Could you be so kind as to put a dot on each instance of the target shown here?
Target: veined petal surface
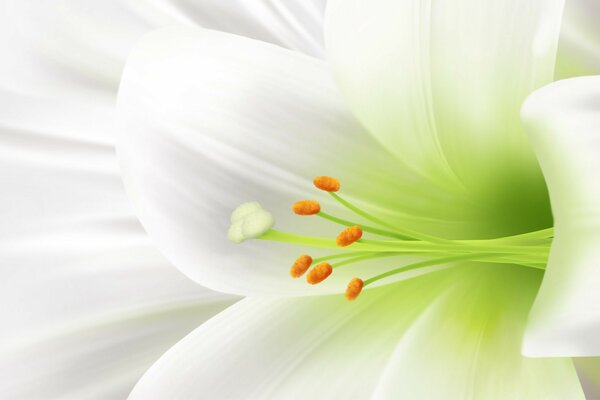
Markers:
(563, 120)
(440, 85)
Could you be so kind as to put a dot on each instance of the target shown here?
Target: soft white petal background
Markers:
(87, 302)
(66, 44)
(73, 258)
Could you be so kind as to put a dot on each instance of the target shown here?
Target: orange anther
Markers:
(349, 236)
(300, 266)
(319, 273)
(306, 207)
(354, 288)
(327, 183)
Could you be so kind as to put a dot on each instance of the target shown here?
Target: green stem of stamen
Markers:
(364, 247)
(402, 231)
(365, 258)
(459, 247)
(541, 234)
(340, 255)
(426, 263)
(366, 228)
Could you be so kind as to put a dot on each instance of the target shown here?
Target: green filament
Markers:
(402, 231)
(426, 263)
(529, 250)
(366, 228)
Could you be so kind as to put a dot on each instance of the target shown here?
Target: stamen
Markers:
(354, 288)
(402, 231)
(319, 273)
(349, 236)
(345, 254)
(366, 228)
(251, 221)
(428, 263)
(300, 266)
(306, 207)
(327, 183)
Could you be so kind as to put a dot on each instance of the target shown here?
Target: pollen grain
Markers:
(319, 273)
(300, 266)
(354, 288)
(306, 207)
(327, 183)
(349, 236)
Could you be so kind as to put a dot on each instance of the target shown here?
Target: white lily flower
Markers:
(88, 304)
(422, 124)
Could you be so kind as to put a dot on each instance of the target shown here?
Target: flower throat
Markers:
(251, 221)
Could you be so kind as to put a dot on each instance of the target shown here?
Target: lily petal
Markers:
(82, 45)
(324, 347)
(86, 301)
(440, 85)
(61, 344)
(311, 347)
(579, 46)
(563, 120)
(468, 343)
(211, 121)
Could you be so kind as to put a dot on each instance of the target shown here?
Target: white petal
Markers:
(325, 347)
(563, 120)
(440, 85)
(211, 121)
(81, 45)
(86, 302)
(579, 46)
(99, 356)
(288, 348)
(467, 345)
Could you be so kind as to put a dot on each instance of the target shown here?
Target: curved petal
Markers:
(210, 121)
(86, 302)
(468, 343)
(324, 347)
(579, 45)
(440, 84)
(80, 46)
(310, 347)
(563, 120)
(97, 347)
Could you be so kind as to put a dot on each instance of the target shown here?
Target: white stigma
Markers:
(249, 221)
